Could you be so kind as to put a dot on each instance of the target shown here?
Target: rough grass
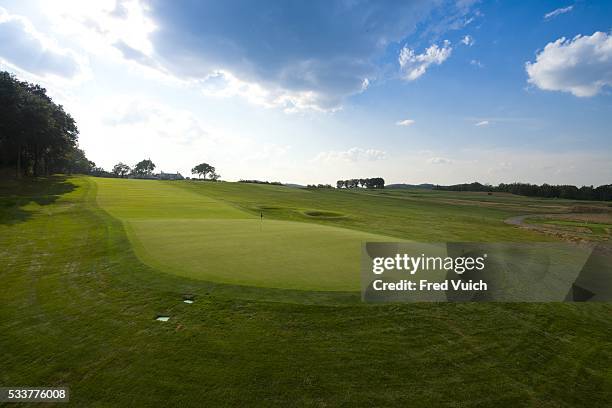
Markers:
(78, 308)
(596, 228)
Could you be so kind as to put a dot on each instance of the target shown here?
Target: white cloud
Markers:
(558, 12)
(415, 65)
(582, 65)
(405, 122)
(273, 46)
(467, 40)
(98, 26)
(354, 154)
(482, 123)
(224, 84)
(439, 160)
(26, 49)
(271, 52)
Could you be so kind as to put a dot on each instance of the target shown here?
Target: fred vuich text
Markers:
(428, 286)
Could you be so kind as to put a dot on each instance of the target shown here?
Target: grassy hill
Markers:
(79, 299)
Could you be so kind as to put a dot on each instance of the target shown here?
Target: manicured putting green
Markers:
(281, 254)
(192, 235)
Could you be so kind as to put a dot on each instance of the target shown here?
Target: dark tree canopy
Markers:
(275, 183)
(376, 182)
(601, 193)
(36, 135)
(143, 168)
(205, 169)
(121, 169)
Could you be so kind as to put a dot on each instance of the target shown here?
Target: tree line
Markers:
(274, 183)
(601, 193)
(145, 168)
(37, 136)
(376, 182)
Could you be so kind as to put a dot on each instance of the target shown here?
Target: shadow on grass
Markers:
(16, 194)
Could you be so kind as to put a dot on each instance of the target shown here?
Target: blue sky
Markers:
(309, 92)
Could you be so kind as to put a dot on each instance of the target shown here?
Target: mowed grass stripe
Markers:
(188, 234)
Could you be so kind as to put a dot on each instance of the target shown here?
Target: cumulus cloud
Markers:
(296, 55)
(27, 49)
(415, 65)
(225, 84)
(405, 122)
(354, 154)
(101, 25)
(274, 47)
(558, 12)
(439, 160)
(582, 65)
(482, 123)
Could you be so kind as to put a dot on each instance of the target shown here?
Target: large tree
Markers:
(205, 169)
(144, 168)
(36, 135)
(121, 169)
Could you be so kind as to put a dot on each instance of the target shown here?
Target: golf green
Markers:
(177, 231)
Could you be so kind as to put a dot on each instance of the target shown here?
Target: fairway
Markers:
(192, 235)
(149, 199)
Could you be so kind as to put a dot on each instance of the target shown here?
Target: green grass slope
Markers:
(416, 216)
(130, 199)
(193, 235)
(77, 309)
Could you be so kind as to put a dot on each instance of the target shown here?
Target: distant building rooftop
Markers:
(170, 176)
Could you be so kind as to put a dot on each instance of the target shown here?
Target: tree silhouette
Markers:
(144, 168)
(205, 169)
(120, 169)
(36, 135)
